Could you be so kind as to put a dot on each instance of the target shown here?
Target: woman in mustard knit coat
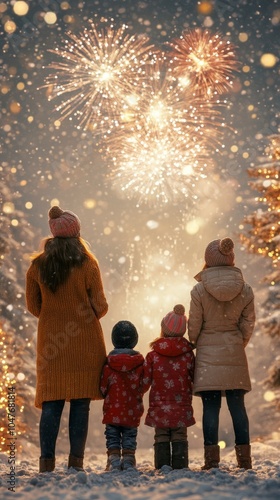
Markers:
(64, 291)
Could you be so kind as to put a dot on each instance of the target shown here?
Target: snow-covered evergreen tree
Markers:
(263, 238)
(18, 328)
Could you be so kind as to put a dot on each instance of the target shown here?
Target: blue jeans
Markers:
(211, 409)
(78, 426)
(120, 437)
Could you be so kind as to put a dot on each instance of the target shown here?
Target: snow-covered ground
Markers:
(144, 483)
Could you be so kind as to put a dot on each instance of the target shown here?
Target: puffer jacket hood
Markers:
(221, 322)
(171, 346)
(124, 362)
(224, 283)
(121, 386)
(168, 373)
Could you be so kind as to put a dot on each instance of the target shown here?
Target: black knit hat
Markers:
(124, 335)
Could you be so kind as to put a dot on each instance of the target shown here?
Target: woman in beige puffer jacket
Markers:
(221, 322)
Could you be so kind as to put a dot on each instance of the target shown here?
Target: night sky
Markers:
(148, 252)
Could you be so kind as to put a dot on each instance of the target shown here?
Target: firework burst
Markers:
(155, 168)
(164, 107)
(157, 127)
(100, 75)
(161, 154)
(203, 61)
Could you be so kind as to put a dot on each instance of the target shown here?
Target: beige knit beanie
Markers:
(220, 253)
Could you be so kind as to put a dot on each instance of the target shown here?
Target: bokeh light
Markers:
(10, 27)
(50, 18)
(268, 60)
(20, 8)
(205, 7)
(222, 444)
(155, 165)
(8, 208)
(269, 396)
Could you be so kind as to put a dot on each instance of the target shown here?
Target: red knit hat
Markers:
(64, 224)
(220, 253)
(174, 324)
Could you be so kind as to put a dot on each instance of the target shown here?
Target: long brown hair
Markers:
(59, 256)
(153, 342)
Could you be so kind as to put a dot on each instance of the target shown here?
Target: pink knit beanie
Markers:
(64, 224)
(220, 253)
(174, 324)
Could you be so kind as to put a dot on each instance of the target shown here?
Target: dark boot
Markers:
(46, 464)
(243, 455)
(114, 459)
(75, 462)
(180, 458)
(211, 456)
(162, 454)
(128, 459)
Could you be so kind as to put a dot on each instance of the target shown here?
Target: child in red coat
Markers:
(169, 371)
(121, 386)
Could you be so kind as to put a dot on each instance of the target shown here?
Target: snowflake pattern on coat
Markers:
(168, 373)
(121, 386)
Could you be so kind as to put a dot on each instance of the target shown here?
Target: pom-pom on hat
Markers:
(124, 335)
(63, 223)
(220, 253)
(174, 324)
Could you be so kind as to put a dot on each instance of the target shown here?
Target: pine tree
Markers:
(11, 403)
(264, 239)
(17, 328)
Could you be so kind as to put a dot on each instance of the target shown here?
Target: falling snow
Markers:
(149, 248)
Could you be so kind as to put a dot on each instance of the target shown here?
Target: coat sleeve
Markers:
(33, 293)
(192, 365)
(195, 320)
(247, 318)
(95, 290)
(147, 374)
(104, 382)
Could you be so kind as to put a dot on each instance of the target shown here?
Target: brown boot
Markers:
(114, 459)
(243, 455)
(46, 464)
(128, 459)
(211, 456)
(162, 454)
(75, 462)
(180, 455)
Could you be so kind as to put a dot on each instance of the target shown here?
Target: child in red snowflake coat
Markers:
(169, 371)
(121, 386)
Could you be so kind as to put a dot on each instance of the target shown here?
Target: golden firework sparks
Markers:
(203, 60)
(155, 168)
(156, 130)
(164, 106)
(161, 153)
(100, 73)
